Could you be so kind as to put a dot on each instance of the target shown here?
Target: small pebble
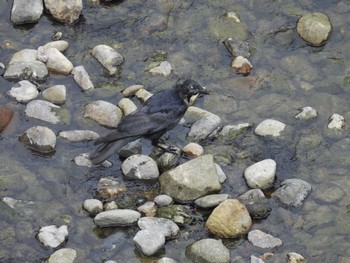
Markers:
(93, 206)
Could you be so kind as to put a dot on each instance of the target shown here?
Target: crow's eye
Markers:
(191, 87)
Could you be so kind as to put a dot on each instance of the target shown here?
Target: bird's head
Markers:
(189, 87)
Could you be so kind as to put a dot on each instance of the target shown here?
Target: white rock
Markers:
(117, 217)
(51, 236)
(78, 135)
(35, 70)
(140, 167)
(263, 240)
(57, 62)
(25, 92)
(306, 113)
(82, 78)
(63, 255)
(241, 65)
(149, 242)
(42, 110)
(108, 57)
(270, 127)
(93, 206)
(24, 12)
(24, 55)
(40, 138)
(261, 175)
(161, 225)
(127, 106)
(163, 69)
(337, 122)
(166, 260)
(104, 113)
(60, 45)
(221, 174)
(56, 94)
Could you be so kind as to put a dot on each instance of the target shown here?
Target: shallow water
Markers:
(287, 75)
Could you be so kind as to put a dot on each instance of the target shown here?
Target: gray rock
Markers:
(42, 110)
(191, 180)
(314, 28)
(84, 160)
(254, 259)
(127, 106)
(51, 236)
(57, 62)
(66, 255)
(237, 47)
(148, 209)
(263, 240)
(230, 132)
(104, 113)
(270, 127)
(251, 194)
(39, 138)
(306, 113)
(66, 11)
(140, 167)
(261, 175)
(60, 45)
(166, 260)
(35, 70)
(24, 12)
(292, 192)
(56, 94)
(82, 78)
(336, 122)
(24, 55)
(221, 174)
(108, 57)
(208, 251)
(163, 69)
(41, 54)
(93, 206)
(25, 92)
(149, 242)
(111, 205)
(163, 200)
(117, 217)
(161, 225)
(210, 201)
(258, 208)
(78, 135)
(202, 128)
(132, 148)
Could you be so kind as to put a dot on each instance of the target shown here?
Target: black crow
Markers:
(159, 114)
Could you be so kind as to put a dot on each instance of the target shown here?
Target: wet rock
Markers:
(166, 260)
(210, 201)
(82, 78)
(60, 45)
(6, 115)
(109, 188)
(261, 174)
(161, 225)
(42, 110)
(221, 175)
(117, 217)
(25, 92)
(66, 11)
(314, 28)
(193, 149)
(57, 62)
(229, 220)
(127, 106)
(148, 209)
(108, 57)
(292, 192)
(132, 90)
(84, 160)
(143, 95)
(191, 180)
(163, 200)
(149, 242)
(263, 240)
(66, 255)
(180, 214)
(132, 148)
(24, 55)
(208, 251)
(51, 236)
(93, 206)
(156, 22)
(224, 26)
(34, 70)
(270, 127)
(104, 113)
(237, 47)
(140, 167)
(336, 122)
(242, 65)
(306, 113)
(26, 12)
(56, 94)
(329, 192)
(258, 208)
(230, 132)
(39, 138)
(293, 257)
(163, 69)
(78, 135)
(202, 128)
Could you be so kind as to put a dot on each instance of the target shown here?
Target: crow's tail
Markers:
(107, 149)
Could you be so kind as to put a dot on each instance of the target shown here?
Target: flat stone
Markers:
(270, 127)
(221, 174)
(51, 236)
(78, 135)
(162, 225)
(104, 113)
(149, 242)
(25, 92)
(56, 94)
(117, 217)
(263, 240)
(24, 55)
(132, 90)
(108, 57)
(42, 110)
(202, 128)
(140, 167)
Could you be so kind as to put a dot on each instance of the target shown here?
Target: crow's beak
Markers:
(203, 91)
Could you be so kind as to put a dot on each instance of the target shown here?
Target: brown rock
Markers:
(6, 115)
(229, 220)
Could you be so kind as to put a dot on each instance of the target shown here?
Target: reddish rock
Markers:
(6, 115)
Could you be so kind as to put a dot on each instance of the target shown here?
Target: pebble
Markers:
(51, 236)
(63, 255)
(306, 113)
(203, 127)
(127, 106)
(6, 115)
(104, 113)
(163, 200)
(110, 206)
(108, 57)
(163, 69)
(270, 127)
(230, 132)
(241, 65)
(57, 62)
(260, 239)
(193, 149)
(221, 174)
(149, 242)
(26, 12)
(34, 70)
(336, 122)
(293, 257)
(66, 11)
(117, 217)
(140, 167)
(82, 78)
(191, 180)
(292, 192)
(237, 47)
(132, 90)
(41, 54)
(78, 135)
(261, 174)
(211, 201)
(254, 259)
(24, 55)
(93, 206)
(230, 219)
(60, 45)
(148, 209)
(42, 110)
(208, 251)
(40, 138)
(25, 92)
(56, 94)
(143, 95)
(161, 225)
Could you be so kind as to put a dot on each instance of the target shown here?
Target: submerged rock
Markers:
(39, 138)
(263, 240)
(293, 257)
(108, 57)
(24, 12)
(163, 69)
(270, 127)
(208, 251)
(306, 113)
(242, 65)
